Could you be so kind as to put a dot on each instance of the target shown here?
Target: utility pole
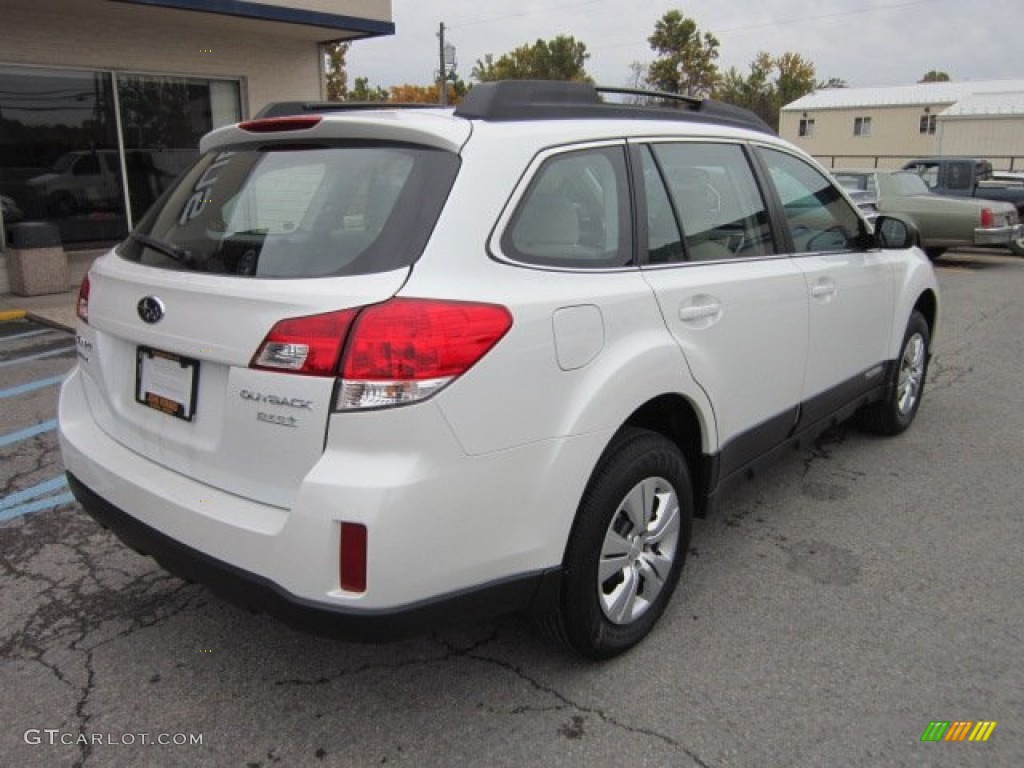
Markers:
(442, 73)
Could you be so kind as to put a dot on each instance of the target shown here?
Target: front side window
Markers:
(716, 200)
(819, 217)
(575, 213)
(298, 212)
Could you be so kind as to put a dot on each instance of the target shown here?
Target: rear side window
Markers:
(298, 212)
(818, 215)
(575, 213)
(715, 199)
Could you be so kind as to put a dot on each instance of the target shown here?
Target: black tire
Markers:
(1017, 247)
(639, 466)
(896, 411)
(934, 253)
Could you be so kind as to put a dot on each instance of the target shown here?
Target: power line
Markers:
(781, 22)
(547, 9)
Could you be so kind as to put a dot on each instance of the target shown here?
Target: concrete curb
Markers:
(52, 319)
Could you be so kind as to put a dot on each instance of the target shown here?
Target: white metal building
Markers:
(886, 126)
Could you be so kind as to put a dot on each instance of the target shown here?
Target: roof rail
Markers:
(557, 99)
(286, 108)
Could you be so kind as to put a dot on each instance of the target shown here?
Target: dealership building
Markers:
(103, 102)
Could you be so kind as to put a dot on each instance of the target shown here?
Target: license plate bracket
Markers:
(166, 382)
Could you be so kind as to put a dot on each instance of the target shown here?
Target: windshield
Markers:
(287, 211)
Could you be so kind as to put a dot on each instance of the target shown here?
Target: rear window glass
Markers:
(298, 212)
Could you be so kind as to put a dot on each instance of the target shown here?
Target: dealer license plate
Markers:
(166, 382)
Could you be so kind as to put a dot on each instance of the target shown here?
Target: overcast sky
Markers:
(864, 42)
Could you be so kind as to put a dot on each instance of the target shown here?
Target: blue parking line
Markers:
(31, 386)
(26, 335)
(37, 356)
(36, 506)
(25, 434)
(37, 490)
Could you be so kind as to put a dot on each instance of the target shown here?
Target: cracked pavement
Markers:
(834, 606)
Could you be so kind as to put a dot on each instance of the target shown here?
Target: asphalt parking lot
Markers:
(833, 608)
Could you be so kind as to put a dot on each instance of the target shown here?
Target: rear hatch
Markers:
(255, 235)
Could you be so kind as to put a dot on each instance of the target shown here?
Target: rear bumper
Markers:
(998, 235)
(450, 536)
(527, 592)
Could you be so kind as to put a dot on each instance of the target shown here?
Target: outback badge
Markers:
(151, 309)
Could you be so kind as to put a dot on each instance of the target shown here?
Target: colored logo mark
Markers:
(958, 730)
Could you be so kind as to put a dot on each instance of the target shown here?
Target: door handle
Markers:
(702, 312)
(823, 290)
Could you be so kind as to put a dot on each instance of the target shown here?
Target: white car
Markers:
(371, 371)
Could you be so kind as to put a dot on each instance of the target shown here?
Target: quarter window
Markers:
(819, 217)
(575, 213)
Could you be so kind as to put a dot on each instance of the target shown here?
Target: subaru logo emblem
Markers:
(151, 309)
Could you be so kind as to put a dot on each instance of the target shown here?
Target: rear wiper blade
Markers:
(170, 250)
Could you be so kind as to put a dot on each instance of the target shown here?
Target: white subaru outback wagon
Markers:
(374, 369)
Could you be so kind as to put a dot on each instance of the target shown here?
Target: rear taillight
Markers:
(987, 219)
(82, 308)
(398, 352)
(308, 345)
(405, 350)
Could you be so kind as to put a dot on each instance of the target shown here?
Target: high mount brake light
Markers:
(401, 351)
(276, 124)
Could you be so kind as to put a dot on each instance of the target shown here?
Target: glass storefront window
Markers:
(58, 152)
(162, 120)
(60, 159)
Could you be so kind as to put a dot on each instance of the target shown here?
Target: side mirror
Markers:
(891, 232)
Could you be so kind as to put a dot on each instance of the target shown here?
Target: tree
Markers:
(416, 94)
(637, 75)
(934, 76)
(795, 78)
(832, 82)
(773, 82)
(686, 58)
(362, 91)
(562, 58)
(336, 76)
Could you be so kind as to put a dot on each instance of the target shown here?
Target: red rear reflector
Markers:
(414, 339)
(275, 124)
(82, 308)
(987, 219)
(352, 554)
(309, 345)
